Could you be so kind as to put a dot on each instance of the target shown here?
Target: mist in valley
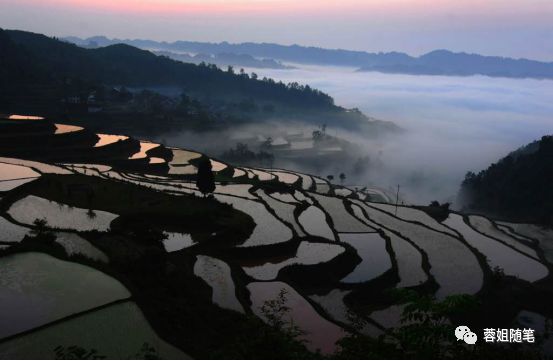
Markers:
(452, 125)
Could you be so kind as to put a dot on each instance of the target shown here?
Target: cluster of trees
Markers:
(241, 154)
(341, 176)
(518, 187)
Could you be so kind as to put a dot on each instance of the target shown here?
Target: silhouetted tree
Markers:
(41, 227)
(317, 135)
(342, 178)
(330, 177)
(205, 179)
(268, 143)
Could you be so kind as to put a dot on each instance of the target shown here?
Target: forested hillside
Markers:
(517, 187)
(125, 65)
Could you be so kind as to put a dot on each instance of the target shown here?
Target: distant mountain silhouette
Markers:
(438, 62)
(443, 62)
(518, 187)
(224, 59)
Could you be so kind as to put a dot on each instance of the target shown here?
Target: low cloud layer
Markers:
(454, 124)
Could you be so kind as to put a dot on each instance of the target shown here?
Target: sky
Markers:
(513, 28)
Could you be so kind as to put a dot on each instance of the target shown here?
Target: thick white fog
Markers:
(454, 124)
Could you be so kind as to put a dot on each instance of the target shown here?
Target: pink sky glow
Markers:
(516, 28)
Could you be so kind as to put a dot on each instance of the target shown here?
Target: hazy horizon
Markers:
(518, 29)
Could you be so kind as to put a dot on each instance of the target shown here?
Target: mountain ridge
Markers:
(436, 62)
(518, 186)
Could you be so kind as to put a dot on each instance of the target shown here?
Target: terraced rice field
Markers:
(512, 263)
(58, 215)
(156, 160)
(183, 170)
(262, 175)
(413, 215)
(542, 235)
(284, 197)
(530, 230)
(237, 190)
(175, 188)
(115, 332)
(306, 181)
(65, 128)
(176, 241)
(287, 178)
(409, 259)
(40, 167)
(217, 275)
(508, 230)
(11, 233)
(107, 139)
(371, 247)
(486, 227)
(38, 289)
(333, 304)
(6, 186)
(76, 245)
(390, 317)
(13, 171)
(454, 267)
(238, 173)
(320, 333)
(97, 167)
(268, 229)
(24, 117)
(306, 254)
(284, 211)
(144, 148)
(343, 192)
(301, 197)
(322, 188)
(319, 180)
(409, 262)
(313, 221)
(217, 166)
(342, 219)
(181, 156)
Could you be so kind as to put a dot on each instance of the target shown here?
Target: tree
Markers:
(41, 227)
(317, 135)
(268, 143)
(330, 177)
(342, 178)
(205, 179)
